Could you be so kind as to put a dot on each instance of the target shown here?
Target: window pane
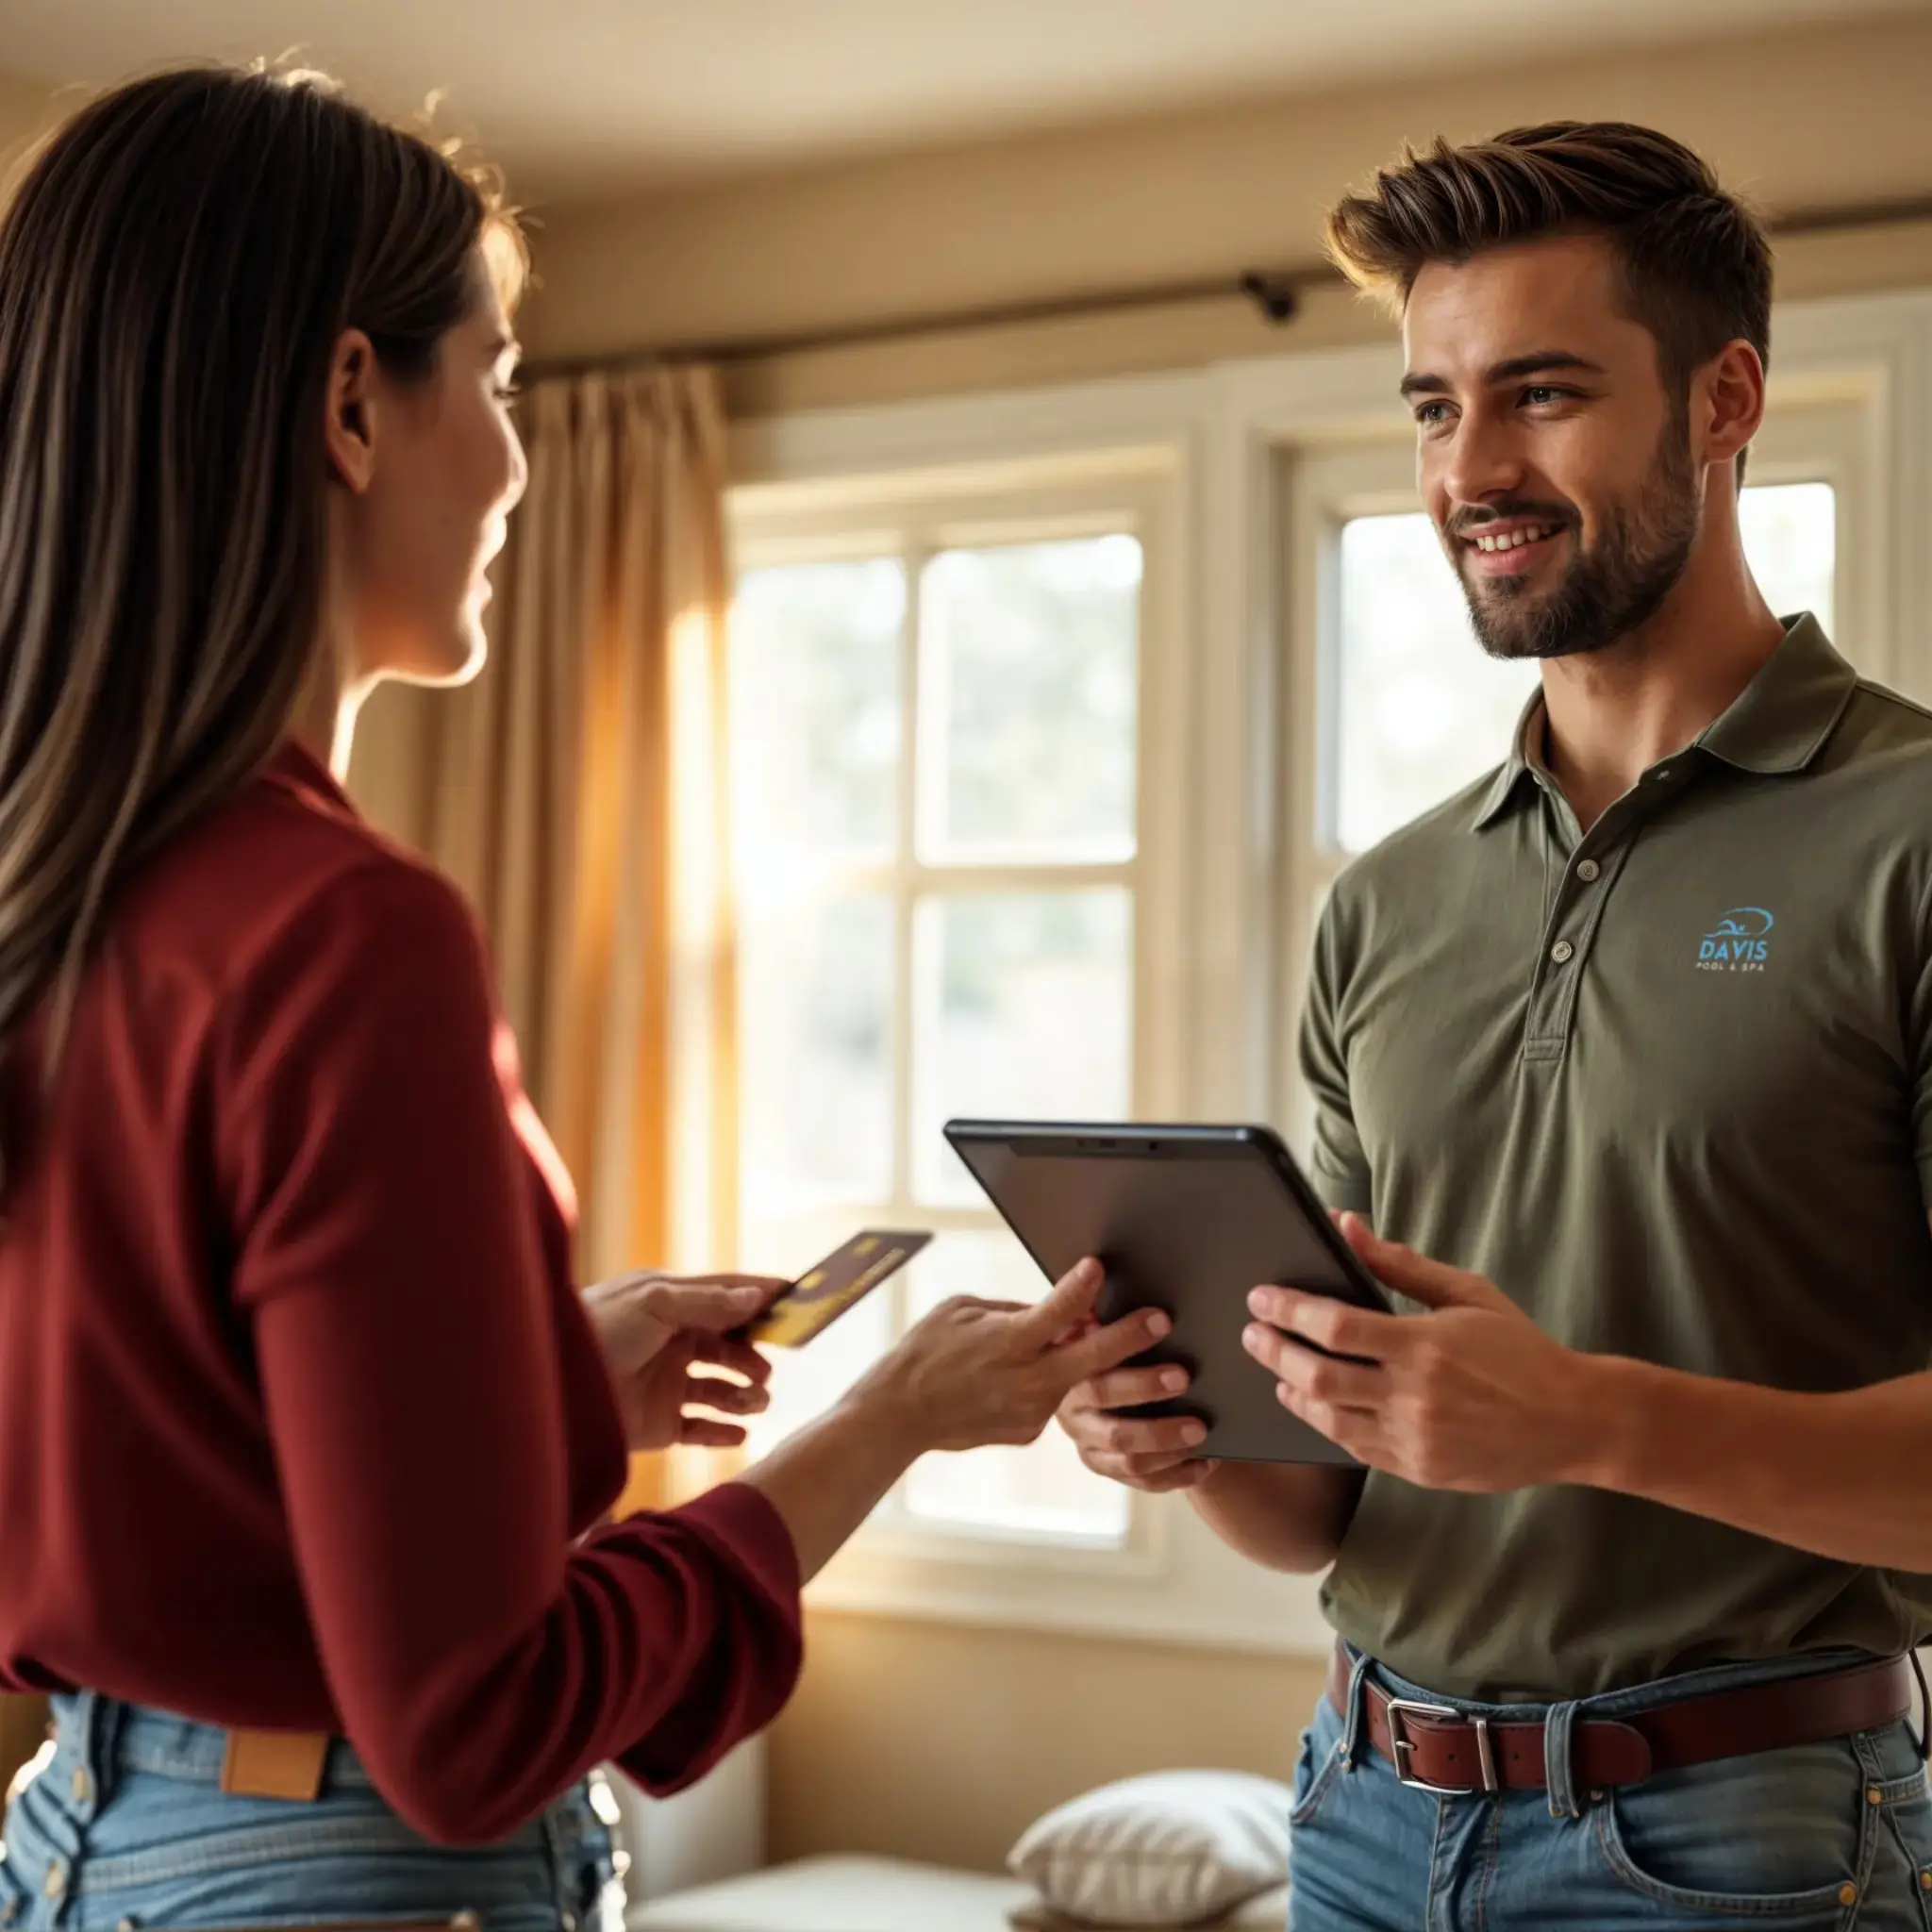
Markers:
(815, 991)
(1023, 1009)
(815, 711)
(1028, 689)
(1790, 538)
(1042, 1489)
(1423, 710)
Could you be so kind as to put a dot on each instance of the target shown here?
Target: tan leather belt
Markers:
(275, 1764)
(1437, 1749)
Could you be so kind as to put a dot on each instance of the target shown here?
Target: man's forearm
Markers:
(1843, 1475)
(1283, 1516)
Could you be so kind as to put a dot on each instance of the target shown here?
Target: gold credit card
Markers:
(820, 1295)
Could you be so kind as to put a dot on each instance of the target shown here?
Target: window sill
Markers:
(1173, 1582)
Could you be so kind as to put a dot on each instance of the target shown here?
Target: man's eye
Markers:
(1539, 393)
(1432, 413)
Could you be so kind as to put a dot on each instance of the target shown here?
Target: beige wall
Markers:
(26, 108)
(922, 1741)
(1828, 116)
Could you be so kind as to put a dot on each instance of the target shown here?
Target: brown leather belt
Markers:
(1437, 1749)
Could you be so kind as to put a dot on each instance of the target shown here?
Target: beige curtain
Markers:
(550, 799)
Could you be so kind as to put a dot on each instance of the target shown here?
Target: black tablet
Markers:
(1188, 1220)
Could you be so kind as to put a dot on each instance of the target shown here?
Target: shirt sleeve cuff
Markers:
(1350, 1192)
(741, 1523)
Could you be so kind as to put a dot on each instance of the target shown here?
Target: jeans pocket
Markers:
(1318, 1766)
(1902, 1799)
(1782, 1834)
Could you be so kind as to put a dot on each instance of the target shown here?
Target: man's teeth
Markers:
(1515, 540)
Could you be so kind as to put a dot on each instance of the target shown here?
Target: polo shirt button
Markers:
(55, 1884)
(1848, 1894)
(1590, 872)
(1563, 952)
(83, 1785)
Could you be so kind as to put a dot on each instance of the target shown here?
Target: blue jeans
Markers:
(1835, 1834)
(129, 1827)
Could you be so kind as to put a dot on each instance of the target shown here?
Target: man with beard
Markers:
(1630, 1048)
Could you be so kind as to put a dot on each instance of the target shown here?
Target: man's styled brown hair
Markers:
(1696, 263)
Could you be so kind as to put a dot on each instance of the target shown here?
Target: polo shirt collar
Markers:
(1783, 717)
(1519, 770)
(1778, 723)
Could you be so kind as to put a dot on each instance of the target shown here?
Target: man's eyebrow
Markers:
(1537, 363)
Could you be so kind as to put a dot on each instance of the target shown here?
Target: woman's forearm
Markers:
(831, 1475)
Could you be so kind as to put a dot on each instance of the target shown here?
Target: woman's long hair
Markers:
(177, 265)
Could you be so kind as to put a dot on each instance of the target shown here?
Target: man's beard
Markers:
(1610, 589)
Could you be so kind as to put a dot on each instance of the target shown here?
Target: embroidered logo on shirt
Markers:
(1740, 942)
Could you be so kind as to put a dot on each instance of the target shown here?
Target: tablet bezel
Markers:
(1290, 1440)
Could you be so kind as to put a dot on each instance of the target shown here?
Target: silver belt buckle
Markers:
(1400, 1747)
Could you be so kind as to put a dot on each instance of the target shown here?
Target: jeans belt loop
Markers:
(1923, 1741)
(1350, 1746)
(1558, 1769)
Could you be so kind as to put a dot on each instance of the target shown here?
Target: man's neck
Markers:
(1613, 715)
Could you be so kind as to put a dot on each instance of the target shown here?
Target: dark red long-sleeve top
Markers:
(302, 1422)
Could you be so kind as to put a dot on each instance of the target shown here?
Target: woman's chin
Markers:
(471, 655)
(456, 661)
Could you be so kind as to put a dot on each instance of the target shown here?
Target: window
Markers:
(939, 879)
(1423, 712)
(1056, 755)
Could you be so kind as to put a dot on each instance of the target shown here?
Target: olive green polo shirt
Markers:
(1670, 1084)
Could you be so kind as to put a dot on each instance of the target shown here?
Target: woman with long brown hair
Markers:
(307, 1438)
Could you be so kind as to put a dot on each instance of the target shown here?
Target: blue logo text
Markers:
(1740, 942)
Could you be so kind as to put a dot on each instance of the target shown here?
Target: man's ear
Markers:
(1726, 403)
(349, 411)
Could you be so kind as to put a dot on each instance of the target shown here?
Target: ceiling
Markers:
(586, 97)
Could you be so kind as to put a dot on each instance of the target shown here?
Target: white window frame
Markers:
(828, 487)
(910, 517)
(1227, 740)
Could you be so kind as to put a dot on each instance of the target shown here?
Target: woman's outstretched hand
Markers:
(981, 1372)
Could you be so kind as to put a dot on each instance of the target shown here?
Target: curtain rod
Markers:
(1276, 293)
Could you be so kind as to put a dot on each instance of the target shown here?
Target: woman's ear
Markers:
(349, 418)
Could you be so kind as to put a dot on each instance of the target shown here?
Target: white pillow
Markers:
(1162, 1850)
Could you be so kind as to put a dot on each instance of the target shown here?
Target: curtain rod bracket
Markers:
(1274, 295)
